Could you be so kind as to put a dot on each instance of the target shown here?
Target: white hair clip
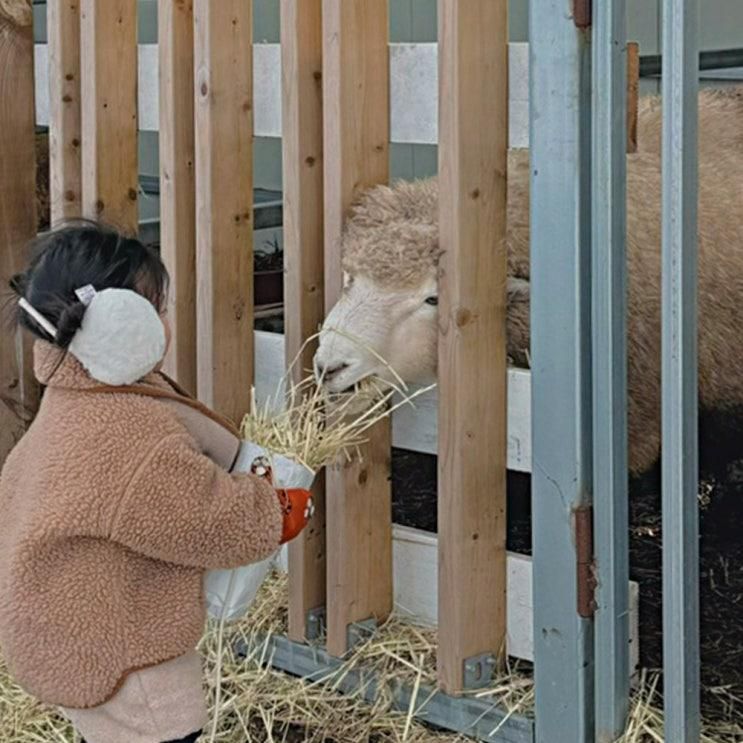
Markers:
(28, 308)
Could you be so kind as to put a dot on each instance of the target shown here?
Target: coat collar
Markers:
(56, 368)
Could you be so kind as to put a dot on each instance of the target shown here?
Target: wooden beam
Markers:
(177, 183)
(301, 46)
(18, 391)
(633, 94)
(108, 38)
(65, 116)
(473, 44)
(356, 121)
(224, 203)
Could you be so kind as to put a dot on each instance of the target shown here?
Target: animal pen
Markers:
(338, 94)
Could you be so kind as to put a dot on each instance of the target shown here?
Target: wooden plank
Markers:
(65, 117)
(415, 578)
(18, 391)
(413, 91)
(472, 334)
(356, 122)
(108, 58)
(301, 44)
(633, 94)
(224, 204)
(416, 592)
(177, 183)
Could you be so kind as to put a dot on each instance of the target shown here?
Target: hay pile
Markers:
(259, 704)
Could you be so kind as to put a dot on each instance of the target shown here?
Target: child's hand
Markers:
(298, 508)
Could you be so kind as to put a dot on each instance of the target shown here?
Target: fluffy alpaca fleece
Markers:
(392, 238)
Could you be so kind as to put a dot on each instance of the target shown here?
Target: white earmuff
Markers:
(122, 337)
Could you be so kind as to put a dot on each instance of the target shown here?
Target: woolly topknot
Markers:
(392, 234)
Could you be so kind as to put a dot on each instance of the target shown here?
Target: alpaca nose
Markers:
(325, 373)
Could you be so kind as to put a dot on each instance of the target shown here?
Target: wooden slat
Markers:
(633, 94)
(224, 203)
(18, 392)
(108, 49)
(472, 341)
(356, 95)
(413, 91)
(65, 125)
(301, 44)
(177, 189)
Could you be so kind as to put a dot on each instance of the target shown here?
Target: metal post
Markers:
(679, 372)
(609, 277)
(560, 131)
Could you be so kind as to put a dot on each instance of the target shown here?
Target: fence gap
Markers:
(302, 142)
(177, 186)
(18, 390)
(65, 124)
(108, 59)
(560, 215)
(473, 80)
(356, 156)
(679, 454)
(224, 203)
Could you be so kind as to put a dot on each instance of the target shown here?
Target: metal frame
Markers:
(609, 362)
(470, 716)
(560, 135)
(679, 373)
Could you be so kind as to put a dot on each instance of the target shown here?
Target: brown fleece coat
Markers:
(111, 513)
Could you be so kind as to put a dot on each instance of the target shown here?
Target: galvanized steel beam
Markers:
(679, 372)
(609, 278)
(560, 131)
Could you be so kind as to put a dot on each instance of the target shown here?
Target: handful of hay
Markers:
(316, 429)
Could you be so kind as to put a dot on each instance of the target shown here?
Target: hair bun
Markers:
(70, 321)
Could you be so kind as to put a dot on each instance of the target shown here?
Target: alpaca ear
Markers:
(122, 337)
(518, 290)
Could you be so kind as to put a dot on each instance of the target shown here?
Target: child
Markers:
(117, 500)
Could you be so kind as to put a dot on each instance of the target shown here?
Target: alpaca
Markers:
(390, 260)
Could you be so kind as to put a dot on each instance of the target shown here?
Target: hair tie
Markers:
(29, 309)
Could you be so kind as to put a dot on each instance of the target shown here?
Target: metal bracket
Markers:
(584, 561)
(479, 671)
(360, 632)
(315, 628)
(582, 13)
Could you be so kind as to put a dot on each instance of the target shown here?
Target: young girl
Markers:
(117, 500)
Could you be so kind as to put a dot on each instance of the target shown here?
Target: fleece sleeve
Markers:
(181, 507)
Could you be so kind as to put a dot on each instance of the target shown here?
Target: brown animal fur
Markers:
(392, 237)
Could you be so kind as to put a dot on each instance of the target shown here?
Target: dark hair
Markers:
(75, 255)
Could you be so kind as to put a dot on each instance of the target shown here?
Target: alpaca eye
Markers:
(433, 301)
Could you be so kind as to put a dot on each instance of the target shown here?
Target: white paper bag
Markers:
(230, 593)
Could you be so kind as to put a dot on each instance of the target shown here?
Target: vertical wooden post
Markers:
(301, 46)
(633, 94)
(108, 38)
(224, 203)
(473, 79)
(18, 392)
(65, 126)
(177, 189)
(356, 121)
